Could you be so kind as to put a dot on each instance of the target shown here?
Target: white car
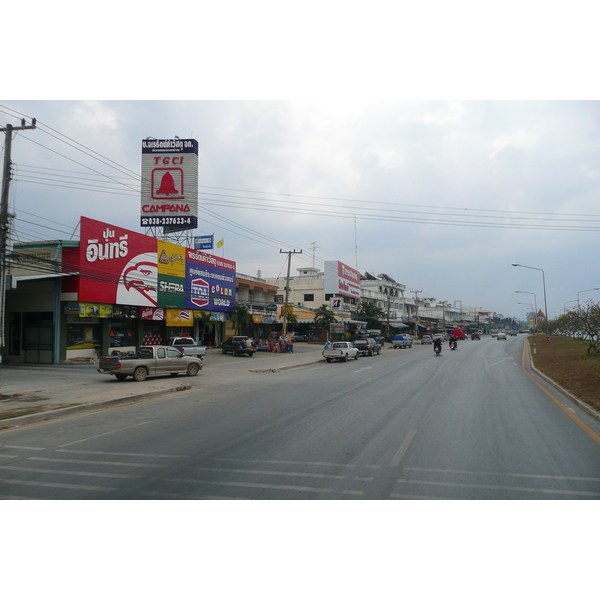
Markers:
(501, 336)
(426, 339)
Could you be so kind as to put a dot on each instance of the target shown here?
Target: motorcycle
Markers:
(437, 347)
(452, 344)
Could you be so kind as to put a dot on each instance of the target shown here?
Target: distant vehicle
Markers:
(299, 337)
(341, 351)
(149, 361)
(511, 332)
(239, 344)
(188, 346)
(367, 346)
(402, 341)
(475, 336)
(501, 336)
(459, 334)
(426, 339)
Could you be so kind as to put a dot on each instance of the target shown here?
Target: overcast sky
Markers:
(442, 195)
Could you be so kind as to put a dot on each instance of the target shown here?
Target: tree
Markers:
(583, 322)
(240, 318)
(370, 313)
(324, 316)
(206, 323)
(290, 318)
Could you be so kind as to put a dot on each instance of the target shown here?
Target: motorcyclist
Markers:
(452, 342)
(437, 345)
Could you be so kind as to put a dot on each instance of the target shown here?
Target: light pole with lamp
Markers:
(581, 292)
(531, 306)
(545, 300)
(565, 305)
(535, 303)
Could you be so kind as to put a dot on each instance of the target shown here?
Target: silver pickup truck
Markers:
(149, 361)
(341, 351)
(188, 346)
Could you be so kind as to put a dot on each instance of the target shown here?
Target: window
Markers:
(309, 297)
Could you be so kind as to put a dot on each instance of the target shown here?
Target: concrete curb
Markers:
(89, 407)
(568, 394)
(286, 367)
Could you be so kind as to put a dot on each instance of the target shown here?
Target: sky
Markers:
(435, 164)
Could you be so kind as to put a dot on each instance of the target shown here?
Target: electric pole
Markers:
(4, 224)
(287, 287)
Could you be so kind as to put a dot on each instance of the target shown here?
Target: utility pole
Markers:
(4, 225)
(287, 287)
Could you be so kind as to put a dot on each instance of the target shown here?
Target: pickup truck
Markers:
(367, 346)
(401, 341)
(188, 346)
(239, 344)
(149, 361)
(340, 351)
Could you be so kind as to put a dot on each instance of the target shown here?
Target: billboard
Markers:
(169, 183)
(342, 280)
(117, 266)
(210, 281)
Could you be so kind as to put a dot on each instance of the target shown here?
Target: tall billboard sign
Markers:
(342, 280)
(169, 183)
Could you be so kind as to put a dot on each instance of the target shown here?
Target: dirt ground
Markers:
(565, 361)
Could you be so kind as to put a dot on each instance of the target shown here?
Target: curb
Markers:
(61, 412)
(574, 399)
(285, 368)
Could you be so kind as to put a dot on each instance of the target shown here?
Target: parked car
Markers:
(239, 344)
(188, 346)
(367, 346)
(299, 337)
(402, 341)
(426, 339)
(511, 332)
(475, 336)
(341, 351)
(501, 336)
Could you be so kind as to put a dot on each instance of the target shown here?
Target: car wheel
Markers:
(250, 353)
(370, 353)
(192, 370)
(224, 351)
(345, 358)
(140, 374)
(356, 356)
(328, 359)
(121, 377)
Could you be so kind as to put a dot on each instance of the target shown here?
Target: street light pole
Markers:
(545, 300)
(581, 292)
(535, 303)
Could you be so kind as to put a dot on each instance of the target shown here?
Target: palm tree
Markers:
(240, 317)
(324, 316)
(206, 323)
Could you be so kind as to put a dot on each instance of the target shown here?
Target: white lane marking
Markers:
(190, 497)
(66, 486)
(444, 382)
(494, 474)
(363, 369)
(298, 462)
(103, 434)
(488, 366)
(9, 455)
(21, 447)
(403, 448)
(501, 487)
(124, 454)
(95, 462)
(268, 486)
(352, 493)
(282, 473)
(59, 472)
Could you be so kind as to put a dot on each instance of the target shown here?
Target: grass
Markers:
(564, 360)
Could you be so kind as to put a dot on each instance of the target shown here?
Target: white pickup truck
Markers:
(340, 351)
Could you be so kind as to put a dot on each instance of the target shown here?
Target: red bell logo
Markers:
(167, 185)
(171, 183)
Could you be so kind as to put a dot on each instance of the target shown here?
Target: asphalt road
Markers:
(469, 424)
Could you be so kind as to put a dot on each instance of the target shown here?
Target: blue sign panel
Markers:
(210, 282)
(203, 242)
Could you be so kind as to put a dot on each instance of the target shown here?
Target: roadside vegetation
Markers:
(572, 356)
